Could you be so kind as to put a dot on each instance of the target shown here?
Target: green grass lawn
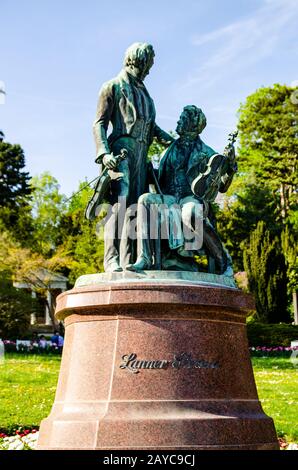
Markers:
(27, 388)
(277, 383)
(28, 383)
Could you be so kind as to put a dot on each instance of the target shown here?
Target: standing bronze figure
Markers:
(125, 103)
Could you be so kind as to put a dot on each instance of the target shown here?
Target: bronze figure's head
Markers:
(139, 57)
(192, 121)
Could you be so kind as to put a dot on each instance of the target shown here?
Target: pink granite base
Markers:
(99, 405)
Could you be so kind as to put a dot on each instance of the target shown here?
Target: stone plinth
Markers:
(154, 363)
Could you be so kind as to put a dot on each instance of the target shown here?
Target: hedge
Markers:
(272, 335)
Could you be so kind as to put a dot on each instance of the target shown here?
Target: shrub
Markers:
(33, 348)
(271, 335)
(15, 308)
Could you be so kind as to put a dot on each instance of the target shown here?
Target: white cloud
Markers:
(241, 44)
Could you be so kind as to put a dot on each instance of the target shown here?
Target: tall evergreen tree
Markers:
(241, 214)
(264, 263)
(15, 212)
(14, 182)
(268, 131)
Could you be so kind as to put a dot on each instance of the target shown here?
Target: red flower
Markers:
(282, 443)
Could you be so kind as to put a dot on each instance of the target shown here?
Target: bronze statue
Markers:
(190, 176)
(125, 103)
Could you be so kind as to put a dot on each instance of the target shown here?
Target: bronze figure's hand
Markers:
(229, 152)
(109, 161)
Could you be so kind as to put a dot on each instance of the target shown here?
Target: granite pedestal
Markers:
(156, 361)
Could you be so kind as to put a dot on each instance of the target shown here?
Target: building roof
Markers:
(42, 277)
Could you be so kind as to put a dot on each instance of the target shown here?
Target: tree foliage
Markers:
(14, 182)
(15, 308)
(265, 190)
(81, 239)
(47, 205)
(290, 249)
(41, 233)
(15, 212)
(240, 215)
(268, 131)
(264, 264)
(22, 265)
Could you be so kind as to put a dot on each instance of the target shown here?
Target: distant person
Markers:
(42, 343)
(34, 340)
(55, 338)
(60, 341)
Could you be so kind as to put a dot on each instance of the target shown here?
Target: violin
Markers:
(229, 153)
(207, 184)
(101, 188)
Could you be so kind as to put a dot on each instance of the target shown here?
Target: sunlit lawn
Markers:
(27, 388)
(28, 383)
(277, 383)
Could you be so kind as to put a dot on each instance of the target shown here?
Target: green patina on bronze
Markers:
(190, 176)
(155, 276)
(125, 103)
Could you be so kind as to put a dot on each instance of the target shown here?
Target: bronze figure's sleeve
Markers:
(162, 136)
(103, 116)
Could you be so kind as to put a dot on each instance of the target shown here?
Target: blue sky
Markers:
(54, 56)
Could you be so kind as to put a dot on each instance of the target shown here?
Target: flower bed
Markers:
(25, 439)
(34, 348)
(284, 445)
(279, 351)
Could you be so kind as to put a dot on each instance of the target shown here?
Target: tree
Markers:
(21, 265)
(19, 222)
(47, 206)
(14, 182)
(268, 131)
(15, 309)
(81, 240)
(240, 215)
(290, 249)
(264, 263)
(156, 148)
(265, 189)
(14, 192)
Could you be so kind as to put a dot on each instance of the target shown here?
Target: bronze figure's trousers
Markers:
(214, 247)
(125, 191)
(151, 223)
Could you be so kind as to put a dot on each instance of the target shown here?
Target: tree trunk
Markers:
(51, 309)
(295, 307)
(283, 202)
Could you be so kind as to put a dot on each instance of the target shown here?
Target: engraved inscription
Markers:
(131, 363)
(180, 361)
